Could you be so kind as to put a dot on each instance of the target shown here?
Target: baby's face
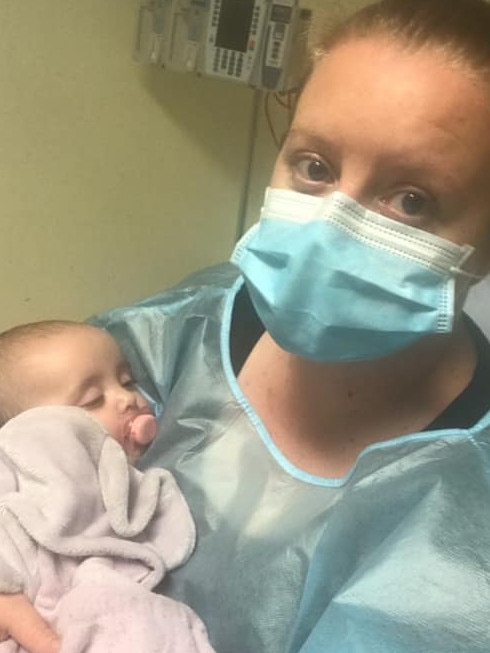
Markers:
(84, 366)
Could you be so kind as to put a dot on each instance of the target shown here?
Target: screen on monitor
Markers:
(234, 23)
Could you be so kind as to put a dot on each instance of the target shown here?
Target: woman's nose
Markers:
(356, 181)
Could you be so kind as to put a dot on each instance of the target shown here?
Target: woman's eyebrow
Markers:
(307, 137)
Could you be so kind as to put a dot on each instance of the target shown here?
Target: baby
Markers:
(61, 363)
(83, 535)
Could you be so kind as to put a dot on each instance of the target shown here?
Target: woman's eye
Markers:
(313, 171)
(409, 205)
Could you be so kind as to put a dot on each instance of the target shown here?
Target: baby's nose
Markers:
(127, 399)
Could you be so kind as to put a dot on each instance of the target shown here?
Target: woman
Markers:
(330, 460)
(336, 461)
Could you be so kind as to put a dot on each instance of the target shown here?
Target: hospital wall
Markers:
(116, 180)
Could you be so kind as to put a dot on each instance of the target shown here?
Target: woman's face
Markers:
(404, 134)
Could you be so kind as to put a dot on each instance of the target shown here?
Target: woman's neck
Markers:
(322, 415)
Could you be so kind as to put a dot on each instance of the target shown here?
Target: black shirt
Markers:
(474, 401)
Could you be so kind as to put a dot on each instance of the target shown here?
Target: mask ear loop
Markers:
(470, 279)
(459, 272)
(467, 275)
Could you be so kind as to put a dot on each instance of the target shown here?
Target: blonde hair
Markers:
(458, 28)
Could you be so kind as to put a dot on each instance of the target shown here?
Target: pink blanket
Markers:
(87, 537)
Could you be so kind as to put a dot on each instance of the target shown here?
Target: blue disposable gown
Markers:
(394, 558)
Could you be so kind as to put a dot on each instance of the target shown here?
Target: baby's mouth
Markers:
(142, 429)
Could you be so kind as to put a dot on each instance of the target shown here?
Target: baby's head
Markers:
(61, 363)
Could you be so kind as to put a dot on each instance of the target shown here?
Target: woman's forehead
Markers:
(383, 59)
(386, 88)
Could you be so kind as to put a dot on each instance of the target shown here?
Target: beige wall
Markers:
(115, 179)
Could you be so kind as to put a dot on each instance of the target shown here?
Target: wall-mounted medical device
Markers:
(255, 42)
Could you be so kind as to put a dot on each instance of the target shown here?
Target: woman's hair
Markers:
(458, 28)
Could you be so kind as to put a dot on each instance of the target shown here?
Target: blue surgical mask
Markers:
(333, 281)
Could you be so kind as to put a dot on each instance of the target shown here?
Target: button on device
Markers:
(279, 31)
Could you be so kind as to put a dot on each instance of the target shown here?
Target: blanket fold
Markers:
(82, 531)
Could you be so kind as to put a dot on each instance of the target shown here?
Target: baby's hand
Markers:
(20, 621)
